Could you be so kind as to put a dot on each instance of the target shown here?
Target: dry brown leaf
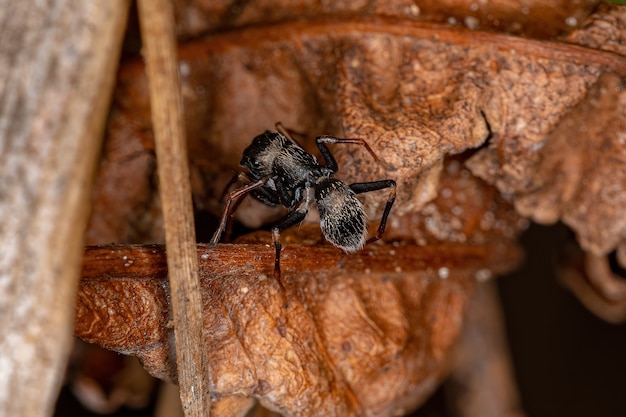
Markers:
(416, 92)
(126, 207)
(576, 172)
(536, 18)
(385, 317)
(579, 174)
(604, 29)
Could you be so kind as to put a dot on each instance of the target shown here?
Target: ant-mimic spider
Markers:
(281, 172)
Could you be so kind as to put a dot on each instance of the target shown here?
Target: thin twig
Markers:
(157, 30)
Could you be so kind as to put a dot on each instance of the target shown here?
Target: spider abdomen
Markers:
(342, 216)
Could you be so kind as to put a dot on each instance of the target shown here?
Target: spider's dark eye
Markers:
(256, 163)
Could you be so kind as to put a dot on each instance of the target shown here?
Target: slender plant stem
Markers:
(159, 49)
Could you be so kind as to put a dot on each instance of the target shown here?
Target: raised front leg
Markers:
(232, 201)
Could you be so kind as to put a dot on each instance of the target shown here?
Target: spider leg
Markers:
(266, 197)
(365, 187)
(238, 177)
(331, 163)
(294, 217)
(244, 179)
(233, 200)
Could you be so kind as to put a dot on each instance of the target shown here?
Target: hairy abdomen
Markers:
(342, 217)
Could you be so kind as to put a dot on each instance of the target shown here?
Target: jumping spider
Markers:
(281, 172)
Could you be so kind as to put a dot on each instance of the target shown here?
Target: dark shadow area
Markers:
(68, 406)
(568, 362)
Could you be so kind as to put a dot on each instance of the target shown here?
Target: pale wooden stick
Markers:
(159, 43)
(57, 70)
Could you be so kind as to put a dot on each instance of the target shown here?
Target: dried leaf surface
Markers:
(385, 317)
(447, 91)
(604, 29)
(575, 173)
(536, 18)
(126, 207)
(579, 176)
